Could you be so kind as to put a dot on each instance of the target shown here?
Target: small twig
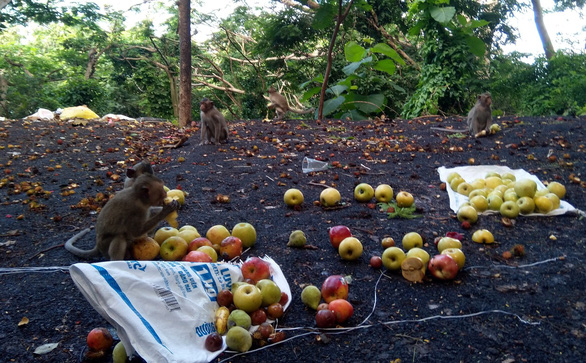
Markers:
(318, 184)
(46, 250)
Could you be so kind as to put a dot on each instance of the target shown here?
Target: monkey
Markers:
(213, 123)
(125, 217)
(136, 171)
(279, 103)
(479, 118)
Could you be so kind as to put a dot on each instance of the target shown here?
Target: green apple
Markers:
(293, 197)
(501, 189)
(246, 233)
(189, 234)
(508, 176)
(478, 184)
(455, 182)
(248, 298)
(543, 204)
(525, 188)
(490, 174)
(330, 197)
(165, 232)
(383, 193)
(419, 253)
(475, 192)
(483, 236)
(119, 353)
(270, 291)
(210, 251)
(404, 199)
(494, 202)
(173, 248)
(457, 255)
(363, 192)
(239, 317)
(480, 203)
(187, 226)
(526, 205)
(555, 200)
(350, 248)
(541, 193)
(557, 189)
(411, 240)
(448, 242)
(509, 209)
(451, 176)
(510, 195)
(467, 213)
(493, 182)
(464, 188)
(392, 258)
(238, 339)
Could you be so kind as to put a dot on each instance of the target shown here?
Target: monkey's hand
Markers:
(481, 133)
(170, 206)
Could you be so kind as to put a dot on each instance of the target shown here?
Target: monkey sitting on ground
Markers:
(279, 103)
(213, 123)
(144, 167)
(125, 217)
(479, 118)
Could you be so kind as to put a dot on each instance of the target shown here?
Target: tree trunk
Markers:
(547, 45)
(184, 63)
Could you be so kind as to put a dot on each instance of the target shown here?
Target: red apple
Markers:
(199, 242)
(284, 298)
(225, 298)
(274, 311)
(334, 287)
(230, 248)
(376, 262)
(338, 234)
(443, 267)
(342, 308)
(258, 317)
(256, 269)
(325, 319)
(197, 256)
(99, 339)
(323, 306)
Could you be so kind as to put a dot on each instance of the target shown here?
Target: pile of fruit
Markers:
(505, 194)
(250, 304)
(335, 309)
(186, 243)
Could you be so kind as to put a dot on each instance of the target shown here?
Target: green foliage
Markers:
(543, 88)
(394, 211)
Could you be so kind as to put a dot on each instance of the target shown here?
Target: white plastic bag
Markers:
(162, 310)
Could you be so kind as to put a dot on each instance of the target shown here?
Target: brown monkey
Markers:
(136, 171)
(279, 103)
(480, 116)
(125, 217)
(213, 123)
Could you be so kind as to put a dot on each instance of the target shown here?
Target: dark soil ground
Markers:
(526, 309)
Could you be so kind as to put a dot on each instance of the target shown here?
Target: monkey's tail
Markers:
(310, 110)
(78, 251)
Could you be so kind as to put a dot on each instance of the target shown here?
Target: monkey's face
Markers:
(205, 106)
(157, 194)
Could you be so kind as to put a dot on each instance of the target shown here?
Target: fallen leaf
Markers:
(46, 348)
(23, 321)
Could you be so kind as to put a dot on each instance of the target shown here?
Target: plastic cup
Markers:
(308, 165)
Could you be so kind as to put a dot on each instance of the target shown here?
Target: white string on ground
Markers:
(19, 270)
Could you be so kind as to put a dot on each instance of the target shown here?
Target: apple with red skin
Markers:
(99, 339)
(224, 298)
(323, 306)
(199, 242)
(443, 267)
(197, 256)
(230, 248)
(325, 318)
(338, 234)
(284, 298)
(376, 262)
(258, 317)
(342, 308)
(275, 311)
(255, 269)
(334, 287)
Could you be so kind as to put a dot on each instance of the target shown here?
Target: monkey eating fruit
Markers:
(213, 123)
(479, 118)
(126, 217)
(136, 171)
